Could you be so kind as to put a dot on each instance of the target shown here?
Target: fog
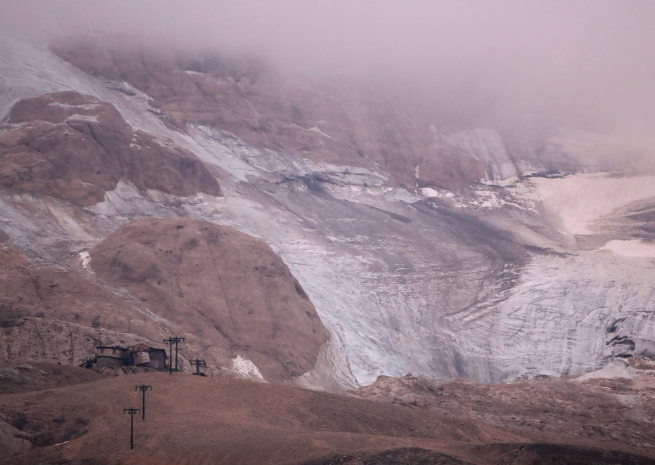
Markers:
(587, 64)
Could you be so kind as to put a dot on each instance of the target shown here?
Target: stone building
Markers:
(139, 355)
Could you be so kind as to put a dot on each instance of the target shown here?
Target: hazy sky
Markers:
(588, 59)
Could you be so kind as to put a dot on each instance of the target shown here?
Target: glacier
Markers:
(513, 277)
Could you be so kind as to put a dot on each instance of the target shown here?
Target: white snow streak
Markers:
(246, 367)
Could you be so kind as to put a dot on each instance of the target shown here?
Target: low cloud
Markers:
(586, 64)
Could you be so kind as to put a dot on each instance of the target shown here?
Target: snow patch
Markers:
(581, 199)
(246, 367)
(501, 182)
(632, 248)
(86, 106)
(77, 117)
(85, 258)
(318, 131)
(432, 193)
(482, 199)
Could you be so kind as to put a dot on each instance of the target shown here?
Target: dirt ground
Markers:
(224, 421)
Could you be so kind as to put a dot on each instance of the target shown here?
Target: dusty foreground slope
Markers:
(225, 421)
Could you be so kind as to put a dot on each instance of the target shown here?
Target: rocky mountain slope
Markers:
(426, 246)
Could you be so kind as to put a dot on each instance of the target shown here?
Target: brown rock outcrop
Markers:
(12, 441)
(227, 288)
(75, 147)
(56, 293)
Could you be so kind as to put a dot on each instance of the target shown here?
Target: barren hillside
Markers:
(217, 420)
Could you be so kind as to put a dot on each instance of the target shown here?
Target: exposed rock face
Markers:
(60, 294)
(75, 147)
(349, 124)
(228, 289)
(12, 441)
